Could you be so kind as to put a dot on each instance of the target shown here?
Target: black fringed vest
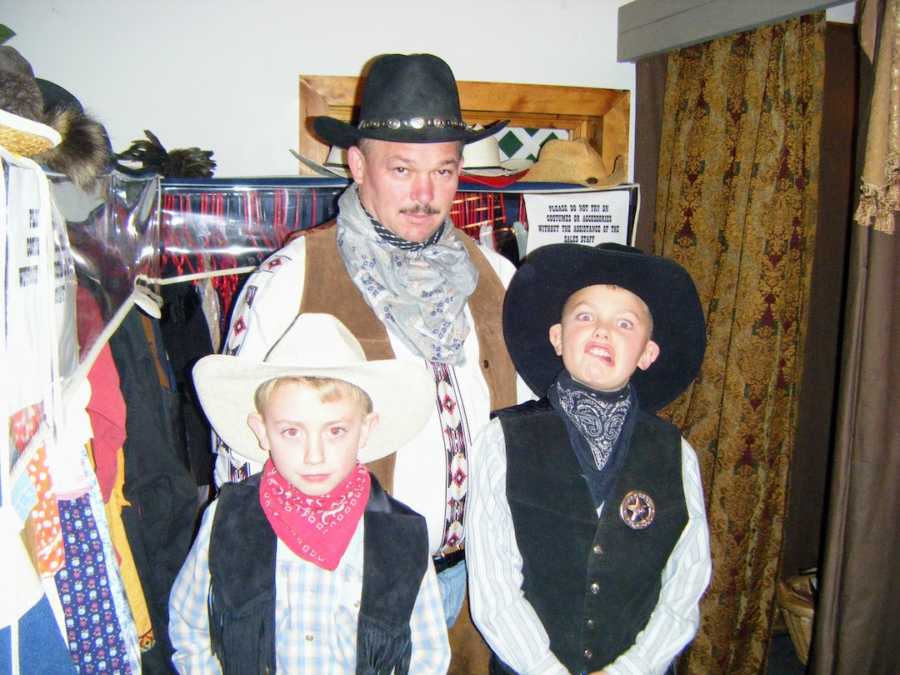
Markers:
(242, 588)
(593, 582)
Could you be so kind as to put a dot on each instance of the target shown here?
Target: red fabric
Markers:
(89, 318)
(108, 413)
(491, 181)
(317, 529)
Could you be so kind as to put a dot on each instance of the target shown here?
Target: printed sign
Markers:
(588, 218)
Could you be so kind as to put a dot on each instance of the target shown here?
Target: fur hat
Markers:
(550, 274)
(409, 99)
(84, 152)
(316, 345)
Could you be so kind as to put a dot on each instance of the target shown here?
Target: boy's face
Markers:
(314, 444)
(604, 335)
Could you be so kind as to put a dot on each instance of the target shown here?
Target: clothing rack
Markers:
(124, 244)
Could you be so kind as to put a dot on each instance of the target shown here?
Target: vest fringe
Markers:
(380, 651)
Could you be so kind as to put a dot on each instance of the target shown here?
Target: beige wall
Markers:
(223, 76)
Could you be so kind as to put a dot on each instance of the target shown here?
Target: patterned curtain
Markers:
(736, 205)
(857, 623)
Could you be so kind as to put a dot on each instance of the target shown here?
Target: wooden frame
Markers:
(600, 115)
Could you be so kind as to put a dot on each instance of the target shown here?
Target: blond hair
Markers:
(330, 389)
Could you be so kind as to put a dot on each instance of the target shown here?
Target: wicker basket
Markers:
(796, 597)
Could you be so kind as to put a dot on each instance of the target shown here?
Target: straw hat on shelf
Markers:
(26, 137)
(575, 162)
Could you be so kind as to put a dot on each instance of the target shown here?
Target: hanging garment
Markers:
(158, 484)
(40, 644)
(107, 412)
(28, 354)
(131, 581)
(93, 628)
(52, 487)
(101, 634)
(209, 301)
(186, 336)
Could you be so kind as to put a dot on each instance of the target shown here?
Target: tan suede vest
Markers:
(327, 288)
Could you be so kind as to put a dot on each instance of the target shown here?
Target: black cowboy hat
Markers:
(409, 99)
(550, 274)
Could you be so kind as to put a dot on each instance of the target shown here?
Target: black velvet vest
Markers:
(242, 589)
(593, 582)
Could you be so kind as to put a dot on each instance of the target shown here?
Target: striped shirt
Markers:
(507, 620)
(316, 613)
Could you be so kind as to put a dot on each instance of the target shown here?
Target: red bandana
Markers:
(317, 529)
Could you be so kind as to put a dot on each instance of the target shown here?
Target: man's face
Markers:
(314, 444)
(604, 335)
(407, 187)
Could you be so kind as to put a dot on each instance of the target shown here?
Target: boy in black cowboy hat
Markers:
(588, 548)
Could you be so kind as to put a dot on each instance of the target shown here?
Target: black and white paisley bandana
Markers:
(599, 425)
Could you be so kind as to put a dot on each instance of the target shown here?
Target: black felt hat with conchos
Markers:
(407, 99)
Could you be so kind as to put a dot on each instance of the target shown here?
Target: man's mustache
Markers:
(420, 209)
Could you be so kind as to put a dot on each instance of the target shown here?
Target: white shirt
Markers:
(507, 620)
(420, 473)
(316, 613)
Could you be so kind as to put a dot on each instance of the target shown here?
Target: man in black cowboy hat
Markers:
(588, 547)
(406, 283)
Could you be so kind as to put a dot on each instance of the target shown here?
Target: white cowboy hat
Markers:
(316, 345)
(482, 158)
(336, 162)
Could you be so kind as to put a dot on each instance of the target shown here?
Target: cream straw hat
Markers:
(24, 136)
(316, 345)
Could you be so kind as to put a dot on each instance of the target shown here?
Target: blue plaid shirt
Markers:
(316, 613)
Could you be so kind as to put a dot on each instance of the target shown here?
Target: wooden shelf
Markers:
(600, 115)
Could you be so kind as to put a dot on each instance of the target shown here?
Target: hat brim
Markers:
(507, 168)
(502, 180)
(402, 394)
(550, 274)
(326, 170)
(26, 137)
(344, 135)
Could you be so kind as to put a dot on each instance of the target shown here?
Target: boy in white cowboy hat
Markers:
(588, 547)
(309, 566)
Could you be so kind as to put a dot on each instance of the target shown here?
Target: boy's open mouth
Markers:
(602, 352)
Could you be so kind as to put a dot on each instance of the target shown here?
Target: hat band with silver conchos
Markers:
(413, 123)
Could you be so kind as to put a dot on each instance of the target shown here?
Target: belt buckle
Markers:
(448, 558)
(449, 551)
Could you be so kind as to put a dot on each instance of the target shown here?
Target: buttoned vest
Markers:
(593, 582)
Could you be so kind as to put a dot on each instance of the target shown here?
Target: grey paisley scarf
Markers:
(420, 293)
